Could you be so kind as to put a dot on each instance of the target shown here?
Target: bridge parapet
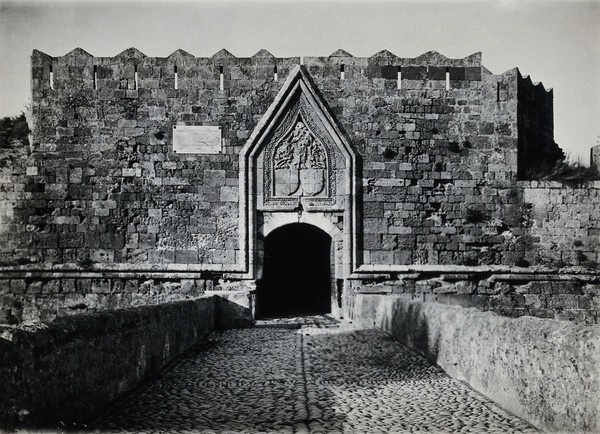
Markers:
(544, 371)
(68, 370)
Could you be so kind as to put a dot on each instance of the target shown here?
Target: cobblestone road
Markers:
(319, 378)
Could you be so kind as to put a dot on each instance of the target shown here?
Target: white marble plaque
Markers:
(196, 139)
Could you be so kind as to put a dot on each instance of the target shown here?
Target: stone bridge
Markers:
(319, 378)
(397, 366)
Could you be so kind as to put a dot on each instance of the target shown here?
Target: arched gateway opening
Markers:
(296, 274)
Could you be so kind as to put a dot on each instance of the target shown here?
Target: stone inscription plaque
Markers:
(196, 139)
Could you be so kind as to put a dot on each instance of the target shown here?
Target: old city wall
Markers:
(103, 185)
(110, 151)
(550, 251)
(103, 213)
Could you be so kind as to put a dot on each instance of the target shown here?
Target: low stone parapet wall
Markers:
(68, 370)
(545, 371)
(31, 294)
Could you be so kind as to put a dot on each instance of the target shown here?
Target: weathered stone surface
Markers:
(595, 157)
(233, 309)
(69, 369)
(545, 371)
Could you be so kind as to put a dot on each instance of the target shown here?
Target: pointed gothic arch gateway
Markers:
(298, 167)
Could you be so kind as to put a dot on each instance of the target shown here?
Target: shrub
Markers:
(389, 153)
(14, 130)
(571, 169)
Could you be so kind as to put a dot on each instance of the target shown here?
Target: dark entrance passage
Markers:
(296, 277)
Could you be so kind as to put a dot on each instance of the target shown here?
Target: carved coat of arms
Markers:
(299, 164)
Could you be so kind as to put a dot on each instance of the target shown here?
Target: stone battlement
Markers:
(78, 68)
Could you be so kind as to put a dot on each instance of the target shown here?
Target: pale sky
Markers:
(555, 42)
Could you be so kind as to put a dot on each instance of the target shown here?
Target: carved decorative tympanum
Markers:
(299, 164)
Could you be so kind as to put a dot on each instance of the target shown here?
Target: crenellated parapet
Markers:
(80, 70)
(384, 64)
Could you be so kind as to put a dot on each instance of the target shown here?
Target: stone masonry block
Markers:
(76, 175)
(373, 209)
(229, 194)
(403, 257)
(223, 256)
(98, 255)
(68, 286)
(214, 178)
(155, 212)
(381, 257)
(51, 286)
(100, 286)
(132, 285)
(188, 285)
(34, 287)
(147, 240)
(372, 241)
(4, 286)
(473, 73)
(389, 242)
(17, 286)
(84, 286)
(375, 226)
(186, 256)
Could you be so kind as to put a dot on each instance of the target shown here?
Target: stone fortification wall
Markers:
(106, 187)
(538, 152)
(66, 371)
(548, 240)
(478, 223)
(546, 372)
(102, 194)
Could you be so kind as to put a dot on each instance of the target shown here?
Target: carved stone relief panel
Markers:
(299, 164)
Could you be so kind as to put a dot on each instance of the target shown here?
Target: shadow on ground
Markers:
(322, 379)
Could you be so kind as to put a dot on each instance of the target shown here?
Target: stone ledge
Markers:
(190, 271)
(502, 271)
(569, 185)
(123, 267)
(545, 371)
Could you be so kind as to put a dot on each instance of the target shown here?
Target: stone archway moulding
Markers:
(316, 219)
(297, 166)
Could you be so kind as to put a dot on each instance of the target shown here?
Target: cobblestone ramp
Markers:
(313, 379)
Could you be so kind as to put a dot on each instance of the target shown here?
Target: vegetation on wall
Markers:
(14, 131)
(570, 169)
